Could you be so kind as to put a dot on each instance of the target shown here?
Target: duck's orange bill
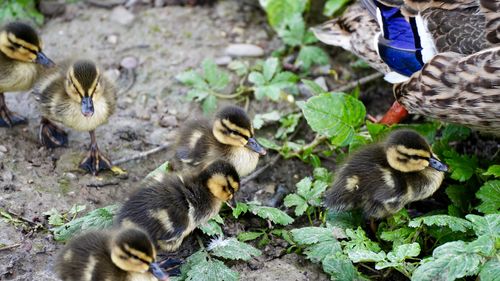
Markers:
(394, 115)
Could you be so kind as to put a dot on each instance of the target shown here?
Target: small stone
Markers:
(168, 121)
(159, 3)
(129, 62)
(222, 61)
(122, 16)
(52, 8)
(69, 176)
(112, 39)
(244, 50)
(321, 82)
(8, 176)
(112, 74)
(30, 181)
(3, 149)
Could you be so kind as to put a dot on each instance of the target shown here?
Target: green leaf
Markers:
(256, 78)
(211, 228)
(483, 245)
(295, 200)
(294, 31)
(361, 255)
(248, 236)
(313, 87)
(493, 170)
(454, 223)
(303, 186)
(323, 174)
(343, 220)
(209, 105)
(278, 11)
(260, 119)
(449, 262)
(241, 68)
(55, 218)
(489, 194)
(211, 270)
(216, 78)
(269, 144)
(487, 225)
(359, 241)
(340, 268)
(377, 131)
(317, 252)
(333, 6)
(459, 196)
(193, 79)
(75, 209)
(399, 236)
(270, 68)
(462, 166)
(490, 270)
(272, 214)
(311, 55)
(402, 252)
(271, 91)
(335, 115)
(312, 234)
(96, 219)
(234, 250)
(240, 208)
(453, 132)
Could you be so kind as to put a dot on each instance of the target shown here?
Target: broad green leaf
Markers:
(271, 91)
(462, 166)
(377, 131)
(483, 245)
(260, 119)
(317, 252)
(216, 78)
(333, 6)
(335, 115)
(313, 196)
(288, 125)
(398, 236)
(96, 219)
(197, 94)
(256, 78)
(359, 241)
(313, 87)
(361, 255)
(454, 223)
(312, 234)
(272, 214)
(490, 270)
(487, 225)
(278, 11)
(493, 170)
(196, 258)
(295, 200)
(303, 186)
(402, 252)
(294, 30)
(323, 174)
(459, 196)
(489, 194)
(343, 220)
(240, 208)
(340, 268)
(211, 270)
(248, 236)
(234, 250)
(449, 262)
(269, 144)
(193, 79)
(311, 55)
(211, 228)
(241, 68)
(270, 68)
(209, 104)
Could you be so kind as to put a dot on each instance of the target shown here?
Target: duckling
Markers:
(171, 207)
(79, 96)
(228, 137)
(126, 254)
(380, 179)
(20, 57)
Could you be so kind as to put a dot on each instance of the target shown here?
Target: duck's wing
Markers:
(491, 11)
(458, 89)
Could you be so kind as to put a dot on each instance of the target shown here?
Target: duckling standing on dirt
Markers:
(380, 179)
(123, 255)
(171, 207)
(230, 137)
(80, 97)
(20, 57)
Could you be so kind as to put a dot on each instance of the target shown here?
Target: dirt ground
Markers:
(165, 41)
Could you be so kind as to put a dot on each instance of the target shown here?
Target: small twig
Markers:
(103, 184)
(259, 171)
(141, 155)
(10, 247)
(360, 82)
(22, 218)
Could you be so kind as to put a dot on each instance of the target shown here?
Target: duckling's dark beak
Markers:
(438, 165)
(87, 106)
(255, 146)
(157, 272)
(42, 59)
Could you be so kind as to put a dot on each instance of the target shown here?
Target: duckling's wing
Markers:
(458, 89)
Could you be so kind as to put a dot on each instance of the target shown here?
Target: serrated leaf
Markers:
(487, 225)
(270, 68)
(256, 78)
(196, 94)
(240, 208)
(449, 262)
(248, 236)
(285, 79)
(303, 186)
(317, 252)
(343, 220)
(493, 170)
(278, 11)
(312, 234)
(209, 105)
(402, 252)
(361, 255)
(489, 194)
(453, 132)
(96, 219)
(293, 31)
(323, 174)
(459, 196)
(235, 250)
(271, 91)
(211, 270)
(193, 79)
(274, 215)
(241, 68)
(490, 270)
(359, 241)
(454, 223)
(55, 218)
(311, 55)
(314, 194)
(75, 209)
(196, 258)
(462, 166)
(313, 87)
(333, 6)
(398, 236)
(295, 200)
(483, 245)
(335, 115)
(340, 268)
(216, 78)
(260, 119)
(211, 228)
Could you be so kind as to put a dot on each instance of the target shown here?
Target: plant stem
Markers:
(202, 247)
(319, 139)
(235, 95)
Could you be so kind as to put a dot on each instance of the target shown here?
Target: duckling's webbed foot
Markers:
(8, 118)
(51, 135)
(171, 266)
(95, 160)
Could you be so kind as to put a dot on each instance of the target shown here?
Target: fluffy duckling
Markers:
(380, 179)
(79, 96)
(20, 59)
(171, 207)
(124, 255)
(228, 137)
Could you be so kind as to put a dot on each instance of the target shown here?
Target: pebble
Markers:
(52, 8)
(122, 16)
(168, 121)
(3, 149)
(8, 176)
(112, 74)
(321, 82)
(69, 176)
(244, 50)
(112, 39)
(222, 61)
(129, 62)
